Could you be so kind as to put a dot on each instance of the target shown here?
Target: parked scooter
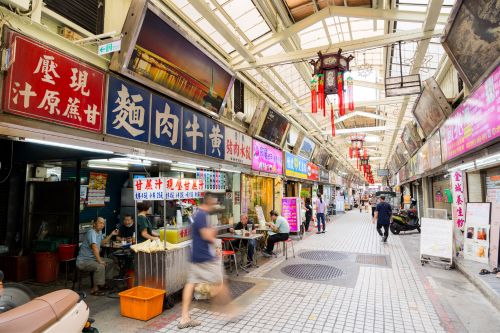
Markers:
(405, 220)
(60, 311)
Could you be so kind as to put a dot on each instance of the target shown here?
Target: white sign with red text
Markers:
(184, 188)
(149, 189)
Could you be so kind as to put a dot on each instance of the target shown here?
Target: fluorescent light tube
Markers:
(64, 145)
(227, 170)
(149, 158)
(189, 165)
(182, 169)
(111, 167)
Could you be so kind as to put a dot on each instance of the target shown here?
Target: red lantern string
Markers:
(332, 118)
(321, 94)
(350, 92)
(340, 93)
(314, 105)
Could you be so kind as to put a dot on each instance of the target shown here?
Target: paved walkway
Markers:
(383, 299)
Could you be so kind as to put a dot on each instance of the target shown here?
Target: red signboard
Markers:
(312, 171)
(45, 84)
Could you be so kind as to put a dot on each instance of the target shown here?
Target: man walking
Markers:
(320, 214)
(383, 213)
(373, 204)
(204, 267)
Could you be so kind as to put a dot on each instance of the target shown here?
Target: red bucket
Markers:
(66, 251)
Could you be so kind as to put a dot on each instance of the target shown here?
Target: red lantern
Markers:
(350, 152)
(341, 94)
(321, 94)
(350, 92)
(314, 98)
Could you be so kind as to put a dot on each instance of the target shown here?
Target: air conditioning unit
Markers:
(23, 5)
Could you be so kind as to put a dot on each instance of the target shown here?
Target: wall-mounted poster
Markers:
(291, 210)
(472, 40)
(157, 53)
(307, 148)
(97, 189)
(431, 107)
(477, 231)
(410, 138)
(434, 150)
(274, 128)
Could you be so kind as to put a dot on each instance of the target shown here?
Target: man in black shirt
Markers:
(127, 228)
(383, 213)
(251, 243)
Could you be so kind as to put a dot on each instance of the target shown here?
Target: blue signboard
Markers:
(166, 122)
(194, 128)
(295, 166)
(128, 108)
(215, 139)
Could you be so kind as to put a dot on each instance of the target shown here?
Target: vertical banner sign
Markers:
(149, 189)
(238, 147)
(166, 122)
(215, 139)
(128, 108)
(312, 171)
(290, 209)
(45, 84)
(184, 188)
(194, 127)
(97, 189)
(458, 199)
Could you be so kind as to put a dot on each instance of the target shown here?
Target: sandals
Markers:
(98, 293)
(484, 272)
(189, 323)
(495, 270)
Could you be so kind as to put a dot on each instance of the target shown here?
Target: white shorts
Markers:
(206, 272)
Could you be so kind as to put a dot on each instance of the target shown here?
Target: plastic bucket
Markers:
(66, 251)
(47, 266)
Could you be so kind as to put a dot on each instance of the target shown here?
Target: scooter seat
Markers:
(40, 313)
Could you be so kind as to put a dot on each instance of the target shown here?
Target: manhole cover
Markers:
(370, 259)
(312, 272)
(323, 255)
(237, 288)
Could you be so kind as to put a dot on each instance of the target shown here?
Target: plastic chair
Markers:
(229, 253)
(78, 277)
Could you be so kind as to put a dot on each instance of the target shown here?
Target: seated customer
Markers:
(280, 232)
(144, 227)
(90, 260)
(251, 243)
(127, 229)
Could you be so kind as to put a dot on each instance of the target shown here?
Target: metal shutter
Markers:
(89, 14)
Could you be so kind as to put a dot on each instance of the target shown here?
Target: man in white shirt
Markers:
(280, 230)
(320, 213)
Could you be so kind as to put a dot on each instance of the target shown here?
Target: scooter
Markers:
(405, 220)
(59, 311)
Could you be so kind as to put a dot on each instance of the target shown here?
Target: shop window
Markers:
(257, 191)
(441, 193)
(89, 14)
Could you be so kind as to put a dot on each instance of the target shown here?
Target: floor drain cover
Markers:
(237, 288)
(312, 272)
(370, 259)
(323, 255)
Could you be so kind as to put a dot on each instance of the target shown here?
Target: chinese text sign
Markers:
(193, 132)
(149, 189)
(166, 122)
(238, 147)
(290, 209)
(267, 158)
(48, 85)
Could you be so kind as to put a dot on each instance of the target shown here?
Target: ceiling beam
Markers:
(431, 19)
(358, 44)
(345, 131)
(331, 11)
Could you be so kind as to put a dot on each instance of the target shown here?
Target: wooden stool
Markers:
(79, 274)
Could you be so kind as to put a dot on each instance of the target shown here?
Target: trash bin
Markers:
(47, 266)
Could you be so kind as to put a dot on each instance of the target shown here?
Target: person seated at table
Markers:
(89, 258)
(127, 229)
(144, 227)
(250, 243)
(280, 230)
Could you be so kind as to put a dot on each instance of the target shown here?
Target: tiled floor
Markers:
(383, 299)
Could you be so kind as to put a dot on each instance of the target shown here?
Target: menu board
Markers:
(149, 189)
(260, 214)
(184, 188)
(475, 122)
(274, 127)
(477, 231)
(215, 181)
(266, 158)
(290, 209)
(436, 238)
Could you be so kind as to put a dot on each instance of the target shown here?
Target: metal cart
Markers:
(165, 270)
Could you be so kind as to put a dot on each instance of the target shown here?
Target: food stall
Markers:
(163, 264)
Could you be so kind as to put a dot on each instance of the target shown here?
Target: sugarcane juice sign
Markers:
(149, 189)
(184, 188)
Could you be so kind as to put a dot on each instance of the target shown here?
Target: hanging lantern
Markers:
(314, 99)
(321, 94)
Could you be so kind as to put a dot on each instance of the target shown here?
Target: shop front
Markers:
(262, 188)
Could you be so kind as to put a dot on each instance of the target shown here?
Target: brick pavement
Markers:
(395, 299)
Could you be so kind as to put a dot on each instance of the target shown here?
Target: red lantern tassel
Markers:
(340, 93)
(350, 92)
(350, 152)
(321, 94)
(332, 117)
(314, 98)
(365, 153)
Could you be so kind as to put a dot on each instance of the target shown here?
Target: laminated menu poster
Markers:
(260, 214)
(290, 209)
(477, 231)
(97, 189)
(437, 238)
